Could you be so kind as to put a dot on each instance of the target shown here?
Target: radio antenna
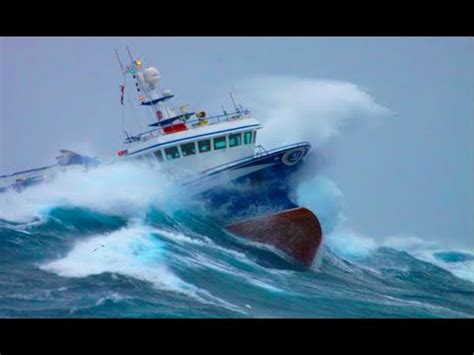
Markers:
(119, 61)
(227, 76)
(130, 55)
(233, 102)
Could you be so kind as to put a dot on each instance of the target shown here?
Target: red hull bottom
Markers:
(296, 232)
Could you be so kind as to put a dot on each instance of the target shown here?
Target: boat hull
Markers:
(257, 186)
(252, 200)
(296, 232)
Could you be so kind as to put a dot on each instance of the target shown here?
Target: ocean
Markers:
(122, 241)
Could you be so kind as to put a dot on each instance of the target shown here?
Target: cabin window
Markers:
(204, 146)
(172, 153)
(188, 149)
(248, 137)
(254, 137)
(159, 155)
(235, 140)
(219, 143)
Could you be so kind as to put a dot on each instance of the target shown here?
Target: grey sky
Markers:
(410, 174)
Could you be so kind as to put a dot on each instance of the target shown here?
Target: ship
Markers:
(215, 157)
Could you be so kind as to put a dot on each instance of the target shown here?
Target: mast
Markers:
(147, 86)
(150, 94)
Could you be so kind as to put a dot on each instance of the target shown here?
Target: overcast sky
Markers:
(411, 173)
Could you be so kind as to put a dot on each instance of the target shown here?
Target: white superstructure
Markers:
(185, 142)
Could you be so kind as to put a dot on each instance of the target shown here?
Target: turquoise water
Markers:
(80, 263)
(122, 241)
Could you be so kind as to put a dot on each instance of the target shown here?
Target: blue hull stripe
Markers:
(251, 161)
(193, 137)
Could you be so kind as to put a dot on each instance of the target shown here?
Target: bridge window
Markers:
(219, 143)
(254, 137)
(159, 155)
(248, 137)
(172, 153)
(204, 146)
(188, 149)
(235, 139)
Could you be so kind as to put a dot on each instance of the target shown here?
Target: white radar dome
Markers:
(151, 76)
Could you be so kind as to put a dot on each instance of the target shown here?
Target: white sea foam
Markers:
(426, 250)
(322, 196)
(120, 189)
(134, 251)
(130, 251)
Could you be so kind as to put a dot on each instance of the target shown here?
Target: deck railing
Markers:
(195, 122)
(20, 176)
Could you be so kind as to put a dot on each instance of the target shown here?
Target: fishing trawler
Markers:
(217, 158)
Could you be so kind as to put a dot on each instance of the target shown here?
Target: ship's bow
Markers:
(296, 232)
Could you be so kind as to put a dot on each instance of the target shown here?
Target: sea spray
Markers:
(297, 109)
(125, 189)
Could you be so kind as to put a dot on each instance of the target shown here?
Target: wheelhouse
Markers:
(184, 141)
(201, 151)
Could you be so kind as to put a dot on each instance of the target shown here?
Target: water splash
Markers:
(304, 109)
(125, 189)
